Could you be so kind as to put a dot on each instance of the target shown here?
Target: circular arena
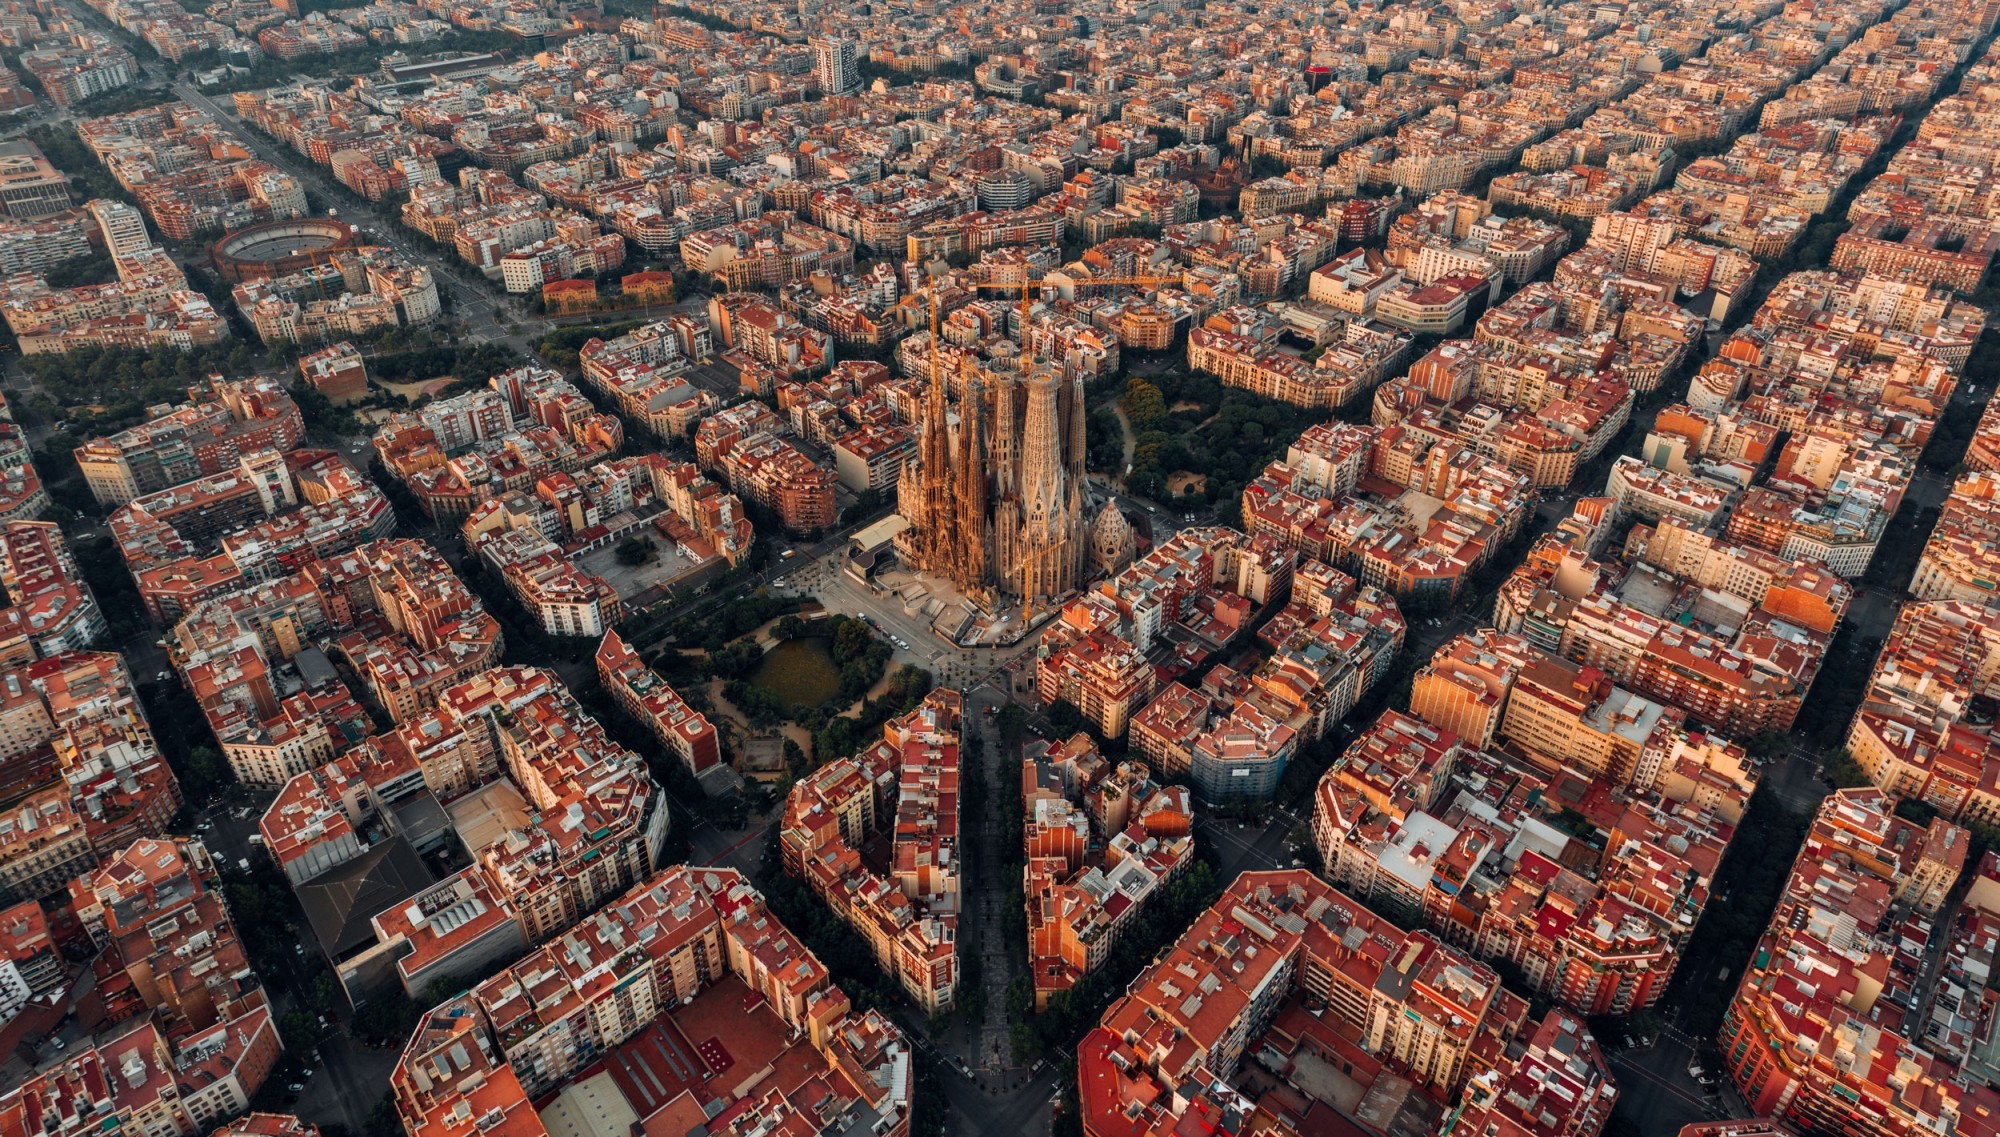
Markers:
(275, 248)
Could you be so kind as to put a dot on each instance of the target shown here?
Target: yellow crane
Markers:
(1026, 287)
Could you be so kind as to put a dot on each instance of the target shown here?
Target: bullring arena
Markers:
(276, 248)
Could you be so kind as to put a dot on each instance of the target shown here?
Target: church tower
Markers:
(970, 538)
(1047, 501)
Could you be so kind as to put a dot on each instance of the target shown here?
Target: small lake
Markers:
(800, 671)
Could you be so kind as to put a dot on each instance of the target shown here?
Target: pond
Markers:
(800, 671)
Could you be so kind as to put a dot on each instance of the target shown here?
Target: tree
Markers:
(1066, 720)
(1300, 843)
(443, 990)
(325, 992)
(1020, 996)
(907, 688)
(1012, 722)
(300, 1030)
(795, 760)
(383, 1120)
(635, 550)
(1917, 810)
(386, 1019)
(1144, 405)
(1021, 1040)
(1767, 743)
(1843, 771)
(851, 639)
(735, 661)
(865, 503)
(205, 768)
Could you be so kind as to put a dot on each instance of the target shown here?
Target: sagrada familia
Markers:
(997, 500)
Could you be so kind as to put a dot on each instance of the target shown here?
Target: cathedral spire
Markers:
(1045, 494)
(934, 468)
(1075, 436)
(969, 541)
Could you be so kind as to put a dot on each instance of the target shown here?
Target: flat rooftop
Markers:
(483, 817)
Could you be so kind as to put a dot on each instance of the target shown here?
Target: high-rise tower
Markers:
(834, 64)
(123, 227)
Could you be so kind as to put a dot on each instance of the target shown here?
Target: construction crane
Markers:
(1026, 287)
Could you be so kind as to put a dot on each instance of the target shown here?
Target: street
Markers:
(1242, 847)
(1656, 1090)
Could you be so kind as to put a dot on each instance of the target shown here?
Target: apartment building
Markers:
(684, 731)
(222, 421)
(906, 786)
(1733, 666)
(105, 783)
(558, 817)
(205, 538)
(1100, 842)
(139, 1078)
(157, 911)
(1414, 818)
(30, 185)
(337, 372)
(51, 609)
(150, 305)
(79, 67)
(1816, 1051)
(1165, 1053)
(687, 953)
(166, 157)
